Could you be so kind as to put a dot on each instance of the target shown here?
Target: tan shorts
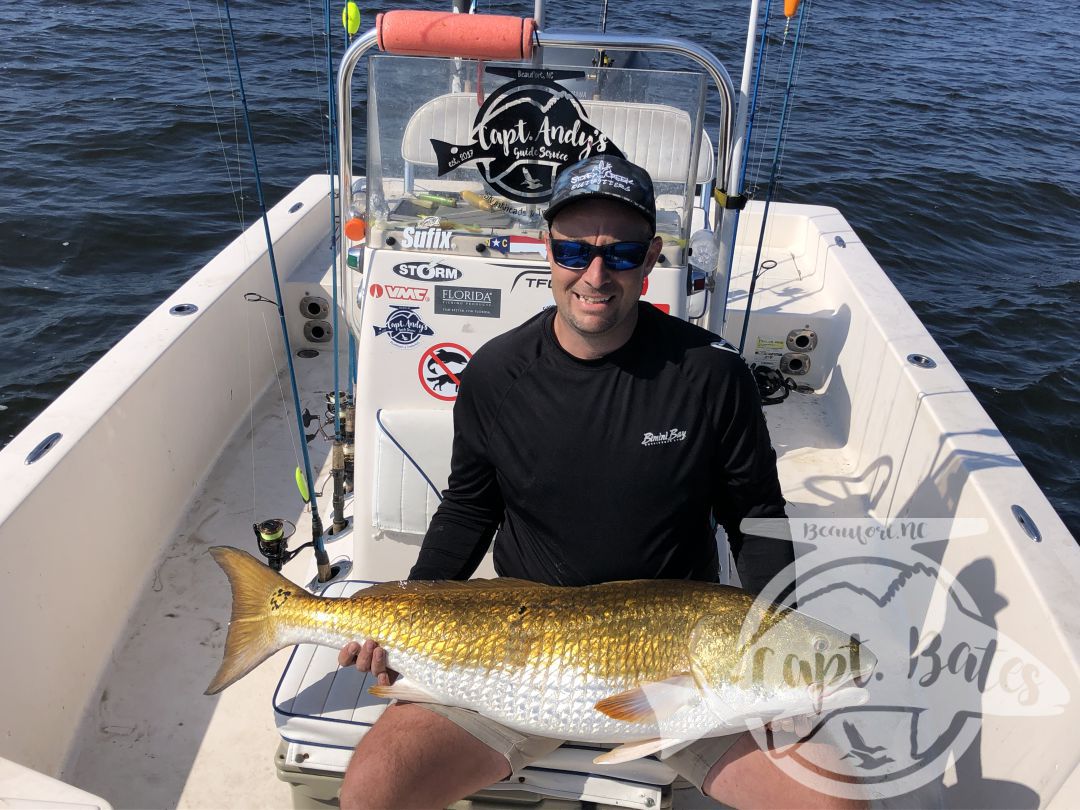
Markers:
(691, 763)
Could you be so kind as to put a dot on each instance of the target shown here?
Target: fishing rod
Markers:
(339, 401)
(350, 21)
(321, 557)
(791, 7)
(725, 202)
(758, 70)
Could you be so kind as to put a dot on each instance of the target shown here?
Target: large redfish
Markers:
(651, 663)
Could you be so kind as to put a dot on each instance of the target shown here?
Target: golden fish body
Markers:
(615, 662)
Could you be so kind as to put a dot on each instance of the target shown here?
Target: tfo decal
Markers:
(440, 370)
(524, 132)
(399, 292)
(427, 271)
(404, 327)
(532, 280)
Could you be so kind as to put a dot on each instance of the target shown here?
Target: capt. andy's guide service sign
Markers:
(524, 132)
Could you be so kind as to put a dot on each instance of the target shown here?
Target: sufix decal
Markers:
(524, 132)
(404, 327)
(440, 370)
(427, 238)
(427, 271)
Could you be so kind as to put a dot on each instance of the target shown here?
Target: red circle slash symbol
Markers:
(440, 370)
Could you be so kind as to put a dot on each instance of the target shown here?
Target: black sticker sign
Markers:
(524, 132)
(479, 302)
(440, 370)
(404, 327)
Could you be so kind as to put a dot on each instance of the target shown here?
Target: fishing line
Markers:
(759, 68)
(316, 523)
(798, 57)
(281, 391)
(251, 413)
(232, 97)
(237, 193)
(775, 166)
(327, 159)
(772, 111)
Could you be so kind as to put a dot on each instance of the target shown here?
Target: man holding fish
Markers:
(594, 442)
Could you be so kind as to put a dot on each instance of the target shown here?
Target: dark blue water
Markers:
(945, 131)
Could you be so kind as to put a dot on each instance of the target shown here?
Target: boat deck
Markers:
(195, 751)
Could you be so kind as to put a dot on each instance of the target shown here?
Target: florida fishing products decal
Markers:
(404, 327)
(480, 302)
(440, 370)
(524, 132)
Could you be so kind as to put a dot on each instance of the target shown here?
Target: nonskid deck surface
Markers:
(155, 740)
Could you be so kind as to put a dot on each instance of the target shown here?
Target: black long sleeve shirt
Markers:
(601, 470)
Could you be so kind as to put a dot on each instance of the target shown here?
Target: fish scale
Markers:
(564, 662)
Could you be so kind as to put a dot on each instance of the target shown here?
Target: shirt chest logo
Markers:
(669, 436)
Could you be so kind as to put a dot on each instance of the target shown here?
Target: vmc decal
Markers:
(524, 132)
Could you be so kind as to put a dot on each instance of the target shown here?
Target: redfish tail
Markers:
(251, 639)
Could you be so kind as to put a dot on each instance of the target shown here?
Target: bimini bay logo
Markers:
(524, 132)
(669, 436)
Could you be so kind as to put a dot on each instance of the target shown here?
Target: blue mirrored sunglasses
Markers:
(617, 256)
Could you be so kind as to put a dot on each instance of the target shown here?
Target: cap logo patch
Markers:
(602, 174)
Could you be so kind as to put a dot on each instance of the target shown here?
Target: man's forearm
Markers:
(452, 549)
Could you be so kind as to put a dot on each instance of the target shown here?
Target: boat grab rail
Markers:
(726, 180)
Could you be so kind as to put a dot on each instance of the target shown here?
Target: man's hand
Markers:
(367, 657)
(800, 726)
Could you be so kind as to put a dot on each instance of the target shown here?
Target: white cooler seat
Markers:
(322, 711)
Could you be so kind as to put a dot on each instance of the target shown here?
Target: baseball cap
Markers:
(603, 177)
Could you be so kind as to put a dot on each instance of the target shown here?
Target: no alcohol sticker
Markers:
(440, 370)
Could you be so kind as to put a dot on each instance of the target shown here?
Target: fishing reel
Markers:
(274, 541)
(345, 406)
(342, 401)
